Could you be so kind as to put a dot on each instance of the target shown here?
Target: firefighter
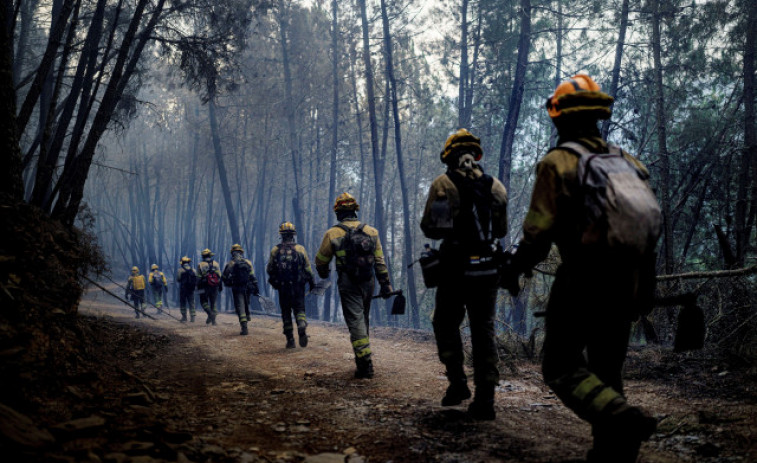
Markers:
(359, 258)
(288, 271)
(186, 277)
(597, 291)
(209, 284)
(135, 290)
(467, 209)
(158, 284)
(238, 275)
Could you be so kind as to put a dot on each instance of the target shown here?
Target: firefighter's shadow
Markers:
(448, 420)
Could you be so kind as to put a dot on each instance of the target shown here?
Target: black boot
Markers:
(364, 368)
(183, 318)
(482, 407)
(303, 337)
(290, 340)
(457, 391)
(191, 319)
(244, 331)
(213, 318)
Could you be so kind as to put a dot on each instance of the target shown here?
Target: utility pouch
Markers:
(431, 267)
(481, 266)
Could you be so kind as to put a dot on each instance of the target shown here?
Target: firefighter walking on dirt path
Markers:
(593, 201)
(186, 277)
(135, 290)
(209, 285)
(239, 276)
(359, 257)
(467, 209)
(288, 271)
(158, 285)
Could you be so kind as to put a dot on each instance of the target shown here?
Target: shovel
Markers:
(398, 306)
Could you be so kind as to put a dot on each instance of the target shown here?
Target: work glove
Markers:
(386, 290)
(311, 284)
(220, 288)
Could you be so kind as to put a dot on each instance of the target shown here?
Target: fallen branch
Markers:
(713, 274)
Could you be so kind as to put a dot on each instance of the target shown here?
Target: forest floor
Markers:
(165, 391)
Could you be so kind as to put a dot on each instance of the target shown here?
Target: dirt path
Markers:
(207, 394)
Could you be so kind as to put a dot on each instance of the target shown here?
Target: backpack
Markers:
(620, 210)
(240, 273)
(288, 264)
(359, 250)
(473, 226)
(188, 279)
(157, 280)
(212, 278)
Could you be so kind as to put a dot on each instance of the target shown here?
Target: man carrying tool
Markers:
(209, 284)
(158, 285)
(593, 201)
(186, 277)
(135, 289)
(359, 257)
(239, 276)
(467, 209)
(288, 271)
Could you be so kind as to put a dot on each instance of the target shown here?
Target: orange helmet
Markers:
(462, 140)
(346, 202)
(579, 95)
(287, 227)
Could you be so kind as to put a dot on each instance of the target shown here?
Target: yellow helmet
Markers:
(579, 95)
(236, 247)
(287, 227)
(154, 267)
(207, 252)
(346, 202)
(462, 140)
(185, 260)
(134, 270)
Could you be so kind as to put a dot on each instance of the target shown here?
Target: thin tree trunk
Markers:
(11, 178)
(291, 123)
(378, 163)
(462, 120)
(226, 191)
(516, 96)
(407, 220)
(662, 138)
(613, 91)
(334, 131)
(749, 156)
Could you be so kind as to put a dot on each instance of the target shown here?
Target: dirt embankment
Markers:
(143, 390)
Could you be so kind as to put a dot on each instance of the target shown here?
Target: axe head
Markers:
(398, 306)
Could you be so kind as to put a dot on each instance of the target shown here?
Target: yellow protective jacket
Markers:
(272, 271)
(443, 195)
(556, 211)
(157, 274)
(332, 246)
(136, 282)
